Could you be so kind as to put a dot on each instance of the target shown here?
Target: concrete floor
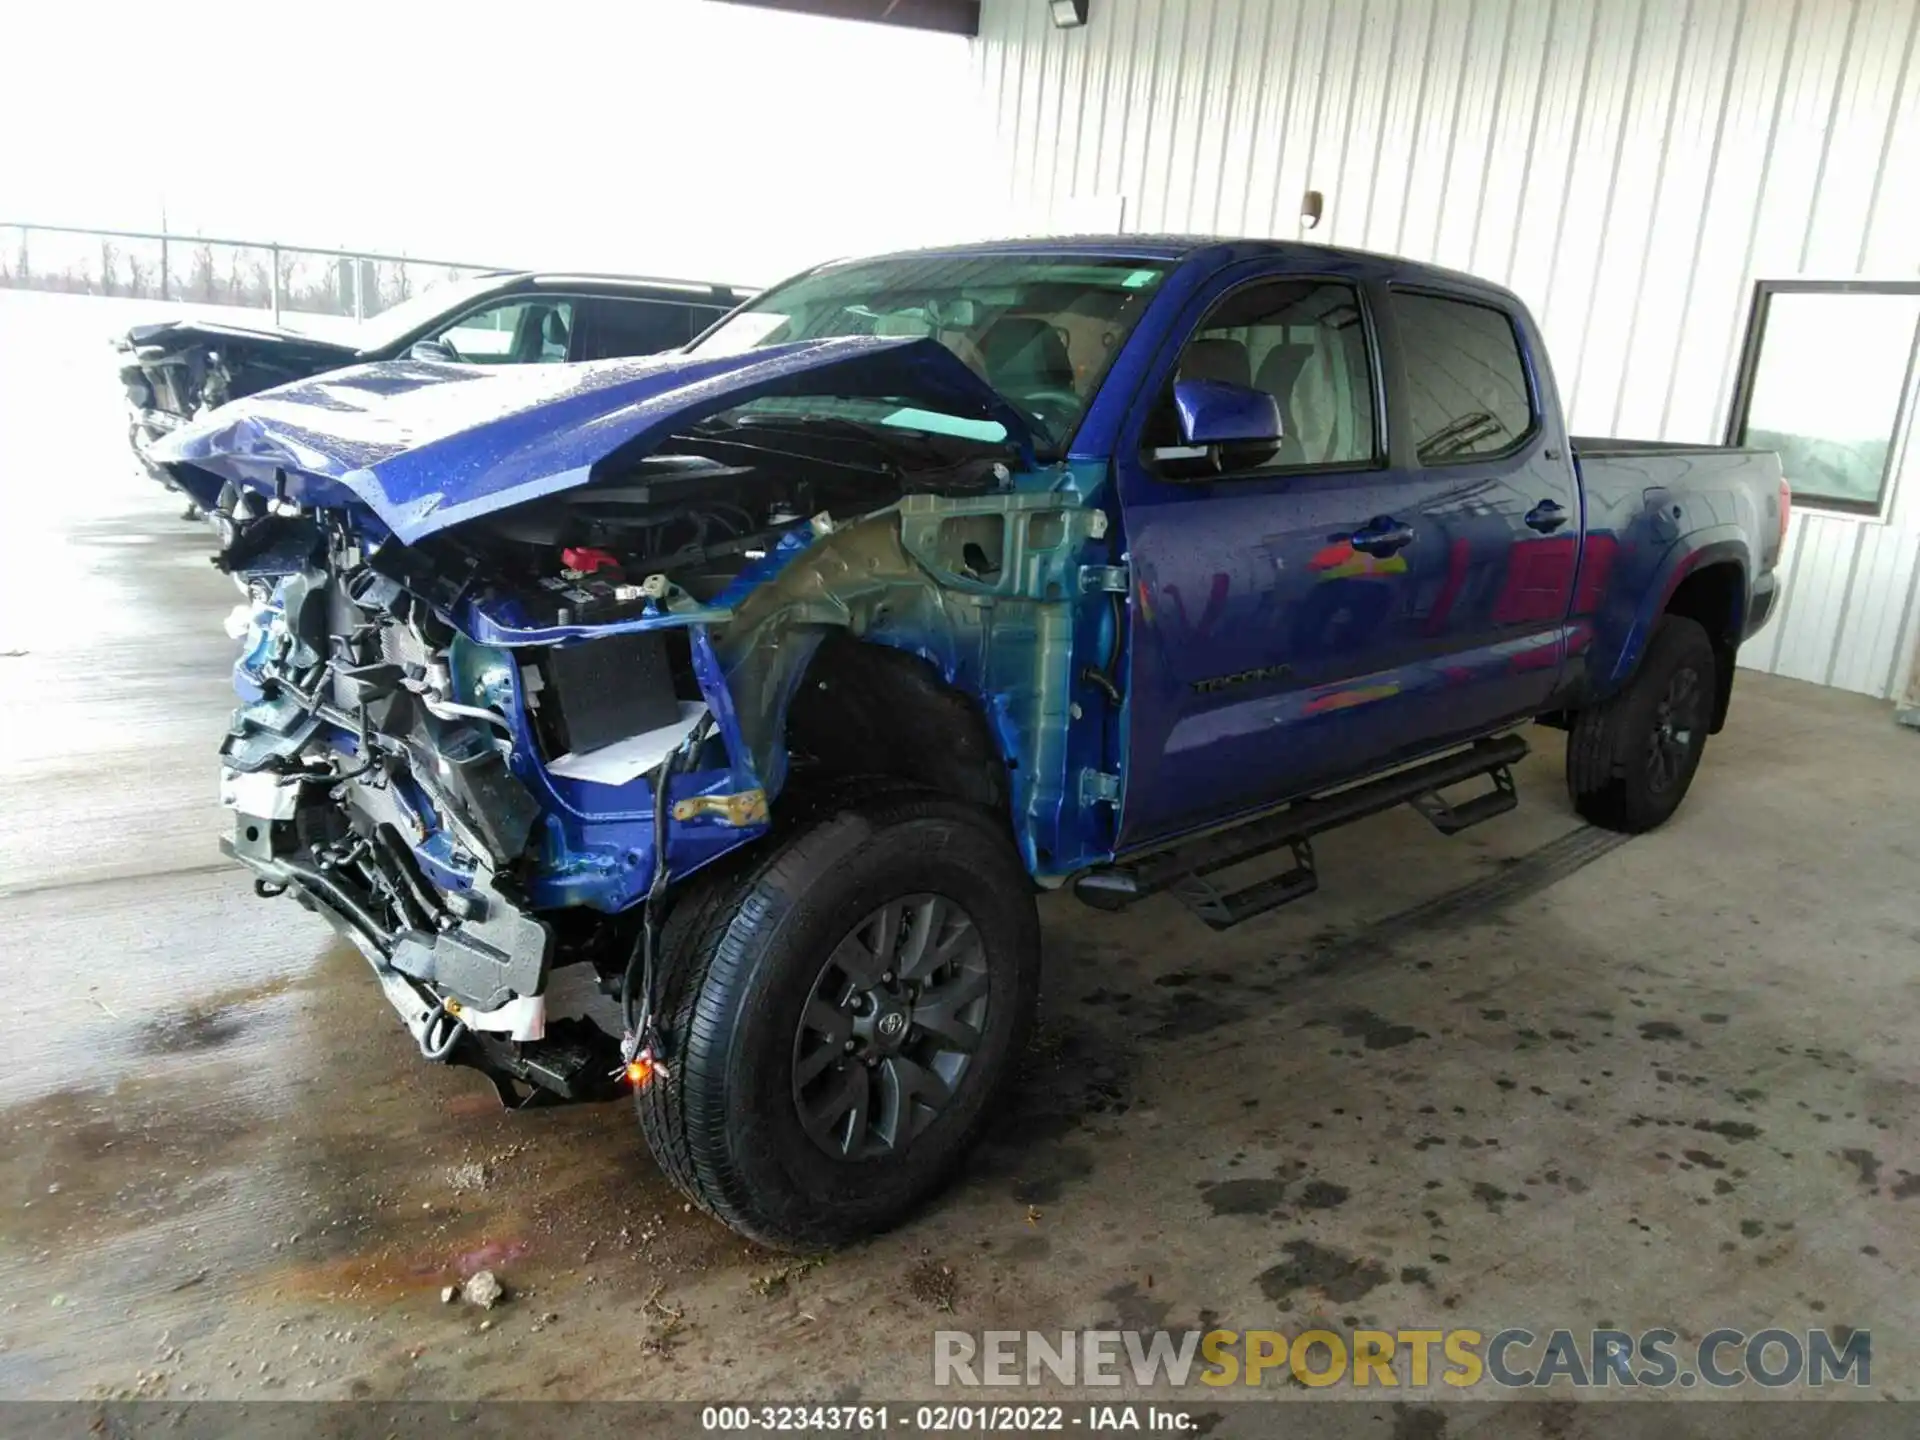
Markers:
(1530, 1075)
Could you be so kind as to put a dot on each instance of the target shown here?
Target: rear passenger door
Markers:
(1484, 430)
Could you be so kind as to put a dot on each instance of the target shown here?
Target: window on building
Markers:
(1823, 381)
(1304, 342)
(1467, 393)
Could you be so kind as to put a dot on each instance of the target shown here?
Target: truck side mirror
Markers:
(1223, 427)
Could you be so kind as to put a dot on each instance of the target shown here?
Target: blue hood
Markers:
(426, 445)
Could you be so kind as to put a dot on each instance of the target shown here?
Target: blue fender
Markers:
(1716, 545)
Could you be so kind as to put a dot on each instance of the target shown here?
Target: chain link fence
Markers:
(202, 270)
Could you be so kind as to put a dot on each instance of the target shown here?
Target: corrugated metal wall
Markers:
(1630, 167)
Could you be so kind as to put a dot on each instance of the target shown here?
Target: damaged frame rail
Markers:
(464, 850)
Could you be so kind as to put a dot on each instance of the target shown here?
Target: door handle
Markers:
(1547, 517)
(1382, 535)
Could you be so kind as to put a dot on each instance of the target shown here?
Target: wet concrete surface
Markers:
(1528, 1076)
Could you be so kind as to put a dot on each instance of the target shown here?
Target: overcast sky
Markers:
(676, 137)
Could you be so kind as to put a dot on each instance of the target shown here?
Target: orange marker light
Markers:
(639, 1071)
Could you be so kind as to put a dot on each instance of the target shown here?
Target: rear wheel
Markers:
(841, 1011)
(1631, 758)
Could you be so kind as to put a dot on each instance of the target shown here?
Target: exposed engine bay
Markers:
(450, 749)
(687, 519)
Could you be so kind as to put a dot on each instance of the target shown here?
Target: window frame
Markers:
(1754, 339)
(1377, 460)
(1536, 417)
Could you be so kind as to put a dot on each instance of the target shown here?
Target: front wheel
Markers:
(841, 1011)
(1631, 758)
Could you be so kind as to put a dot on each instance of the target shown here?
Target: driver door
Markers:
(1263, 633)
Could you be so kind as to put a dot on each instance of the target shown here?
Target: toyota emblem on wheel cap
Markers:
(892, 1025)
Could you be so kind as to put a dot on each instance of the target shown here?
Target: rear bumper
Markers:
(1760, 607)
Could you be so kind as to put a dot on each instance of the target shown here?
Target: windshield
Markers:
(1040, 329)
(395, 322)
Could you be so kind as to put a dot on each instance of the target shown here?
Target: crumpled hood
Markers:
(426, 445)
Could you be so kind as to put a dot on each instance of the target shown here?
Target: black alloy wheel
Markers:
(890, 1027)
(1676, 719)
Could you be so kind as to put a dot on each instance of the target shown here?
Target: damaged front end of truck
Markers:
(524, 649)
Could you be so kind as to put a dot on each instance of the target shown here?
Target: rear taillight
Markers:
(1786, 507)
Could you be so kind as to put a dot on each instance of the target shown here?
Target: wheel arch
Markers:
(1714, 595)
(867, 709)
(1704, 580)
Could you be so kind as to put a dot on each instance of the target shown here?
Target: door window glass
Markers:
(1303, 342)
(514, 332)
(1467, 393)
(640, 327)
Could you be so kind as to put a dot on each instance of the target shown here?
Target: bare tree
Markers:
(402, 283)
(109, 267)
(200, 276)
(287, 271)
(137, 275)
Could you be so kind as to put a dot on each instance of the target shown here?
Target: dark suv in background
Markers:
(177, 369)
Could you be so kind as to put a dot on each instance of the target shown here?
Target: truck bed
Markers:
(1596, 446)
(1650, 493)
(1736, 483)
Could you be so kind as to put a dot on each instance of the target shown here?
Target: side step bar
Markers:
(1185, 868)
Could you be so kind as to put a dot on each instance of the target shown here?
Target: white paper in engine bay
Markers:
(629, 759)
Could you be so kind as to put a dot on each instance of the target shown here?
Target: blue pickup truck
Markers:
(761, 685)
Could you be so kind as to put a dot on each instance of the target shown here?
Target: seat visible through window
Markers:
(1304, 343)
(553, 336)
(1217, 359)
(1279, 373)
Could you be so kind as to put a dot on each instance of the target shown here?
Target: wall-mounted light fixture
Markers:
(1312, 206)
(1068, 13)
